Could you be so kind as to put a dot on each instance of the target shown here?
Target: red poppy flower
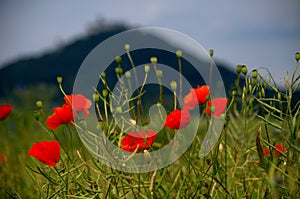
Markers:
(48, 152)
(79, 102)
(138, 141)
(178, 119)
(279, 147)
(218, 105)
(266, 152)
(5, 111)
(3, 159)
(61, 115)
(196, 96)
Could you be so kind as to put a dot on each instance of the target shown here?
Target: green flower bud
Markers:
(234, 92)
(127, 47)
(39, 104)
(297, 56)
(153, 60)
(128, 74)
(239, 69)
(119, 109)
(173, 85)
(254, 73)
(119, 70)
(159, 73)
(211, 52)
(59, 79)
(178, 54)
(104, 92)
(96, 97)
(244, 69)
(118, 59)
(147, 68)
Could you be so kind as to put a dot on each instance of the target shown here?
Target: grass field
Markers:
(239, 166)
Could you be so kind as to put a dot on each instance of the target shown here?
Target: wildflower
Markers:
(48, 152)
(5, 111)
(217, 106)
(3, 159)
(178, 119)
(79, 102)
(196, 96)
(266, 152)
(280, 148)
(139, 141)
(61, 115)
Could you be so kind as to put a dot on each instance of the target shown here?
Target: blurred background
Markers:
(36, 35)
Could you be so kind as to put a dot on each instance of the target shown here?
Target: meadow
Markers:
(256, 156)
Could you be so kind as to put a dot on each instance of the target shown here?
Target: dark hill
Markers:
(66, 62)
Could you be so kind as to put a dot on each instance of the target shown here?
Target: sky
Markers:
(255, 33)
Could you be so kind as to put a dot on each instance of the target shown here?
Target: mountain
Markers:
(66, 61)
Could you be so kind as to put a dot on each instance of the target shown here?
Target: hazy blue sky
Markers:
(256, 33)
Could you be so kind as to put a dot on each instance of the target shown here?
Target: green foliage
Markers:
(236, 168)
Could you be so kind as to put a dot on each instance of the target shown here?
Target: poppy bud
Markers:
(59, 79)
(153, 60)
(127, 47)
(239, 69)
(297, 56)
(128, 74)
(39, 104)
(159, 73)
(244, 69)
(234, 92)
(119, 70)
(179, 54)
(147, 68)
(173, 85)
(104, 92)
(119, 109)
(254, 73)
(211, 52)
(118, 59)
(96, 97)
